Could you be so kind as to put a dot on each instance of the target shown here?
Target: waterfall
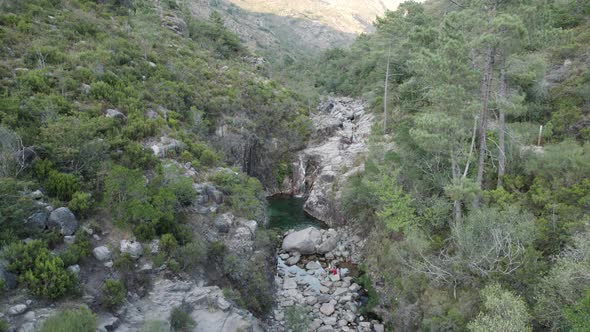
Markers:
(299, 176)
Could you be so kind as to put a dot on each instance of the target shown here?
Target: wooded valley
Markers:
(134, 120)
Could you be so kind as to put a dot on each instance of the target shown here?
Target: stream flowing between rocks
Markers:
(309, 296)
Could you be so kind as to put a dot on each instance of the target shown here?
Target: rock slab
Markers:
(102, 253)
(64, 220)
(303, 241)
(132, 248)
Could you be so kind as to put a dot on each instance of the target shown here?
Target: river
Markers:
(286, 212)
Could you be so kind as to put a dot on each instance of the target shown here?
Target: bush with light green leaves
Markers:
(71, 320)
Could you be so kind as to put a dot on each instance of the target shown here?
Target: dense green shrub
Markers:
(124, 263)
(183, 191)
(185, 157)
(135, 156)
(71, 320)
(151, 210)
(180, 321)
(216, 251)
(503, 311)
(578, 315)
(234, 296)
(191, 254)
(39, 270)
(173, 265)
(3, 325)
(81, 203)
(373, 298)
(61, 185)
(41, 169)
(246, 196)
(168, 243)
(209, 158)
(145, 231)
(48, 278)
(14, 208)
(113, 293)
(81, 248)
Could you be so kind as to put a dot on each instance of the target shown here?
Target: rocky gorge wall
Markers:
(305, 283)
(336, 151)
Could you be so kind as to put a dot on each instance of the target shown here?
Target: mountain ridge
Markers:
(347, 16)
(278, 29)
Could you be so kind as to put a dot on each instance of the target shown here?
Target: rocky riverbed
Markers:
(305, 281)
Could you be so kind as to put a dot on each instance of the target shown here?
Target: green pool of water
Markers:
(286, 212)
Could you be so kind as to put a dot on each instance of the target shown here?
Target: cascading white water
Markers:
(299, 176)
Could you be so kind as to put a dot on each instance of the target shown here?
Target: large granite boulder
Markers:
(224, 222)
(303, 241)
(115, 114)
(37, 221)
(17, 309)
(213, 194)
(102, 253)
(64, 220)
(327, 245)
(132, 248)
(167, 145)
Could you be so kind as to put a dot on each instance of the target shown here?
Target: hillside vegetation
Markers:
(474, 199)
(113, 109)
(471, 225)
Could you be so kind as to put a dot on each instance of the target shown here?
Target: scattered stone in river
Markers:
(331, 321)
(354, 288)
(313, 265)
(340, 291)
(327, 309)
(293, 260)
(289, 283)
(349, 316)
(345, 299)
(330, 300)
(17, 309)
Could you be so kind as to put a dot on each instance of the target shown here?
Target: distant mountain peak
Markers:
(348, 16)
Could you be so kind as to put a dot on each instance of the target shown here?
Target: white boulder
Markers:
(303, 241)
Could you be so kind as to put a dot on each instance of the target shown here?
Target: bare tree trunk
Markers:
(468, 162)
(501, 128)
(457, 177)
(385, 91)
(486, 85)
